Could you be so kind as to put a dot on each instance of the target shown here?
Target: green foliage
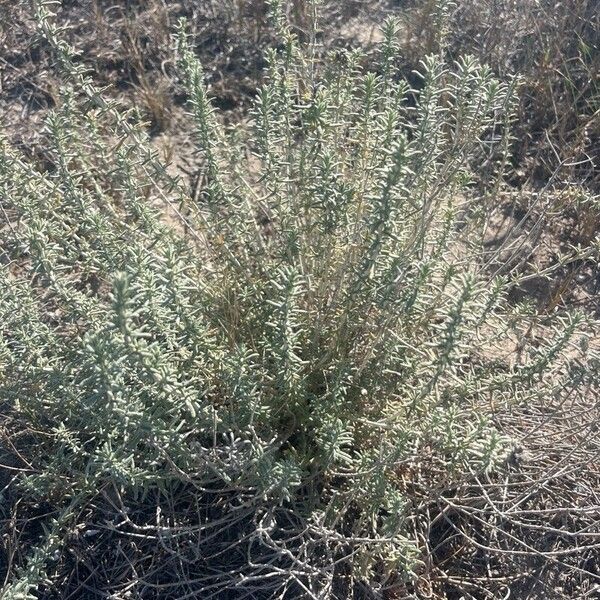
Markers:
(315, 333)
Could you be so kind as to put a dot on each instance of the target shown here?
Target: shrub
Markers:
(258, 392)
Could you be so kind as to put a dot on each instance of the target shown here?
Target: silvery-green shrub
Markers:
(301, 344)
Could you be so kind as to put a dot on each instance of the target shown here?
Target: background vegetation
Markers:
(299, 299)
